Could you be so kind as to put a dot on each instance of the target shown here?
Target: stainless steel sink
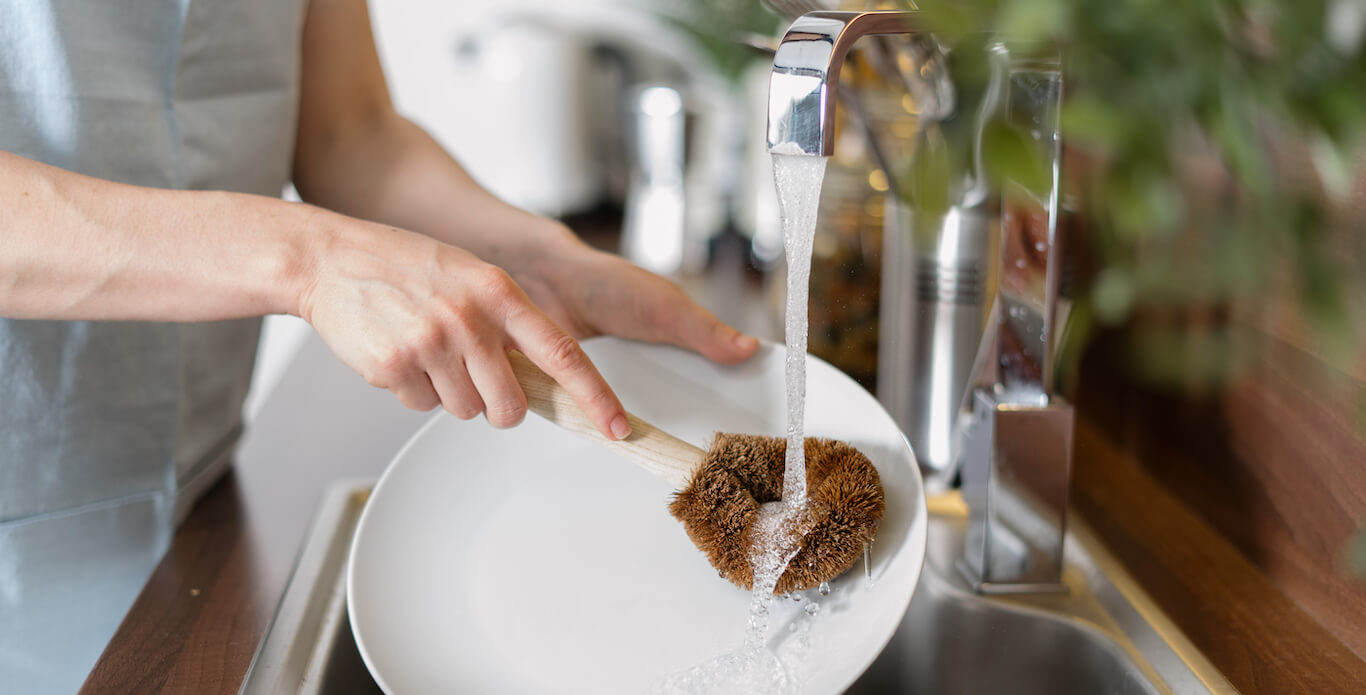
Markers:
(308, 648)
(1103, 637)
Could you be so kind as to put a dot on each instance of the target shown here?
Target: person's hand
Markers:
(433, 324)
(589, 292)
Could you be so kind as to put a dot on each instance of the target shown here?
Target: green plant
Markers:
(1215, 143)
(721, 28)
(1213, 147)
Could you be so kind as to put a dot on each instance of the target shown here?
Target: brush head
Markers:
(720, 504)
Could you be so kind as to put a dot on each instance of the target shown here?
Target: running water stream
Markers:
(779, 528)
(798, 182)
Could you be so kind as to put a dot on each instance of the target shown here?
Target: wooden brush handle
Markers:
(654, 449)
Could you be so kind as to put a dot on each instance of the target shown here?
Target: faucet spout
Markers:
(806, 71)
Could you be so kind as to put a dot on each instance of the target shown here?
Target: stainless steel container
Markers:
(934, 284)
(659, 230)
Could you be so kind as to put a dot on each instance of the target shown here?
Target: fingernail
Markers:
(745, 342)
(620, 427)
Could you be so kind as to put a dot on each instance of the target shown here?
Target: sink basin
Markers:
(1104, 637)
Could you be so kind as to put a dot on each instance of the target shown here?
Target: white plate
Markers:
(532, 561)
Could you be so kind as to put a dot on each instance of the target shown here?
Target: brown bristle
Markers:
(720, 504)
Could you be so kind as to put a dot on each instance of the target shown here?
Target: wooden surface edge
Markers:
(1257, 637)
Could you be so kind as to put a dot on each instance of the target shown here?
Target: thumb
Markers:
(700, 331)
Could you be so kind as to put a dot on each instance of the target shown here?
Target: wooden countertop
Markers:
(1257, 637)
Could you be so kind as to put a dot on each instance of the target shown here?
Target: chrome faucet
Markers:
(1016, 451)
(806, 74)
(1014, 441)
(933, 279)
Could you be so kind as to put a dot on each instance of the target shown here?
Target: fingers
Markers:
(639, 304)
(561, 357)
(699, 330)
(504, 402)
(417, 393)
(458, 395)
(438, 334)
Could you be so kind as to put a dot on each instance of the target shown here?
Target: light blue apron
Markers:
(109, 430)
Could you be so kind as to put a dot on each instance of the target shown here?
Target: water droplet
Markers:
(812, 608)
(823, 589)
(867, 564)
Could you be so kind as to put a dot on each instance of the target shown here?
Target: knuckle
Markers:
(455, 313)
(390, 364)
(371, 373)
(427, 337)
(496, 283)
(419, 403)
(563, 352)
(505, 414)
(464, 410)
(602, 399)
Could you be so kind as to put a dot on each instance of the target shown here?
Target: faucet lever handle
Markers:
(1031, 251)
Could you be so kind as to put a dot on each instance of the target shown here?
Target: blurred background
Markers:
(1210, 215)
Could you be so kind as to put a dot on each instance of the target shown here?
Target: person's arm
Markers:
(356, 154)
(75, 247)
(428, 321)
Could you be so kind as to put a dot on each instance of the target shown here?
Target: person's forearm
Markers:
(75, 247)
(389, 170)
(355, 154)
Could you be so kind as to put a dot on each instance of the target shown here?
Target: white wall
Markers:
(490, 87)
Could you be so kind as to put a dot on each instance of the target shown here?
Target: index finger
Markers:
(561, 357)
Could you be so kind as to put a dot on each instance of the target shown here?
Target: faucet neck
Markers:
(805, 77)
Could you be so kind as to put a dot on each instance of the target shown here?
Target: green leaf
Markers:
(1033, 20)
(1113, 295)
(1089, 122)
(1332, 165)
(953, 19)
(928, 181)
(1012, 155)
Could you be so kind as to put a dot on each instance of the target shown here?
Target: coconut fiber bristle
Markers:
(720, 504)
